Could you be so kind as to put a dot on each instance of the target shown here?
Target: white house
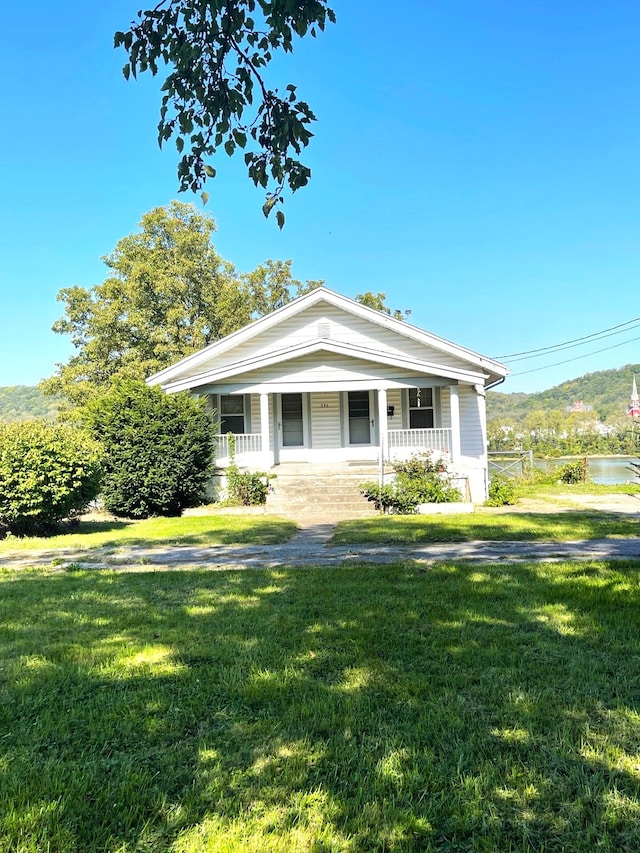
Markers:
(327, 380)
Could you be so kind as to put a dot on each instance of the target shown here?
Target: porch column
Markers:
(264, 430)
(383, 431)
(455, 423)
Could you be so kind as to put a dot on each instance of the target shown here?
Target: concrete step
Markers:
(331, 493)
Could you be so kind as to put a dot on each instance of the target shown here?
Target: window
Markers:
(421, 415)
(231, 414)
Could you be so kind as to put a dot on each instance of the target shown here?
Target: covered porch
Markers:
(375, 425)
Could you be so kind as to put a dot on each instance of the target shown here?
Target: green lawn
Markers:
(386, 708)
(190, 530)
(483, 525)
(553, 489)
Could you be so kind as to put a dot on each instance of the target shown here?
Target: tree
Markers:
(377, 302)
(47, 472)
(158, 449)
(270, 286)
(216, 95)
(168, 294)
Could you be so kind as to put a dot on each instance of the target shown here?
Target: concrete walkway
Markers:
(311, 547)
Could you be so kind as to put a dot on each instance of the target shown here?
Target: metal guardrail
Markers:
(510, 463)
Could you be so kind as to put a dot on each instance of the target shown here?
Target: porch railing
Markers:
(250, 442)
(402, 441)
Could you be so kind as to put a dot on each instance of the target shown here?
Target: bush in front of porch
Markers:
(158, 449)
(424, 478)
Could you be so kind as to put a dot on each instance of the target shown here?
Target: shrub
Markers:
(421, 479)
(158, 448)
(47, 472)
(573, 472)
(503, 491)
(245, 488)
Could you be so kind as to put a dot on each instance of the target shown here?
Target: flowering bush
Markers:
(421, 479)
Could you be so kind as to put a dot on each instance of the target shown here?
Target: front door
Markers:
(359, 417)
(292, 421)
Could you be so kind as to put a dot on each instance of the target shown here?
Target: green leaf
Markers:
(280, 219)
(204, 196)
(209, 171)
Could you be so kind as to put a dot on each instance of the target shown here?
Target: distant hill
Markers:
(606, 391)
(23, 402)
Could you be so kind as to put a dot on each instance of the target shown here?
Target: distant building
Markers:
(579, 406)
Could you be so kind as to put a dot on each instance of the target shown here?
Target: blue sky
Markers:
(477, 161)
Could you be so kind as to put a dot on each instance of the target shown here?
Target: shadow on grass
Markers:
(193, 531)
(557, 526)
(369, 708)
(225, 533)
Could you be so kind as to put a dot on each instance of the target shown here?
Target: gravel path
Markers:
(311, 547)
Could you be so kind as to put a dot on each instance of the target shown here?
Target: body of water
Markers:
(600, 469)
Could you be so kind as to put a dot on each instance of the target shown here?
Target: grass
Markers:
(359, 709)
(482, 525)
(547, 489)
(190, 530)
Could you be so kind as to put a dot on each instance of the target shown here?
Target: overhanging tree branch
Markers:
(204, 102)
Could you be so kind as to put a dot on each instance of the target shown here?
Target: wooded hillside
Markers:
(606, 391)
(23, 402)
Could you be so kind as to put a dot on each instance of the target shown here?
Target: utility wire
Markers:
(566, 343)
(560, 347)
(577, 358)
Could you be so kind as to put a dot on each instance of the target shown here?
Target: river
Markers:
(600, 469)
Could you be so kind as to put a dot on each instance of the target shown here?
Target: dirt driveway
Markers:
(618, 503)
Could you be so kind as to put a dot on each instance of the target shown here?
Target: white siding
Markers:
(394, 398)
(445, 408)
(322, 368)
(472, 445)
(317, 321)
(325, 420)
(471, 439)
(255, 416)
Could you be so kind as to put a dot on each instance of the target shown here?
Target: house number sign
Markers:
(324, 405)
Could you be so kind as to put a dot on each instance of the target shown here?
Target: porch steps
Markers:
(314, 492)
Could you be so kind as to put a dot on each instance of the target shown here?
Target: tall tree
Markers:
(270, 286)
(378, 303)
(169, 293)
(216, 94)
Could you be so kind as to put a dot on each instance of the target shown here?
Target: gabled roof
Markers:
(186, 373)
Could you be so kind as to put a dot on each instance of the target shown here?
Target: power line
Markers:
(577, 358)
(566, 343)
(560, 347)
